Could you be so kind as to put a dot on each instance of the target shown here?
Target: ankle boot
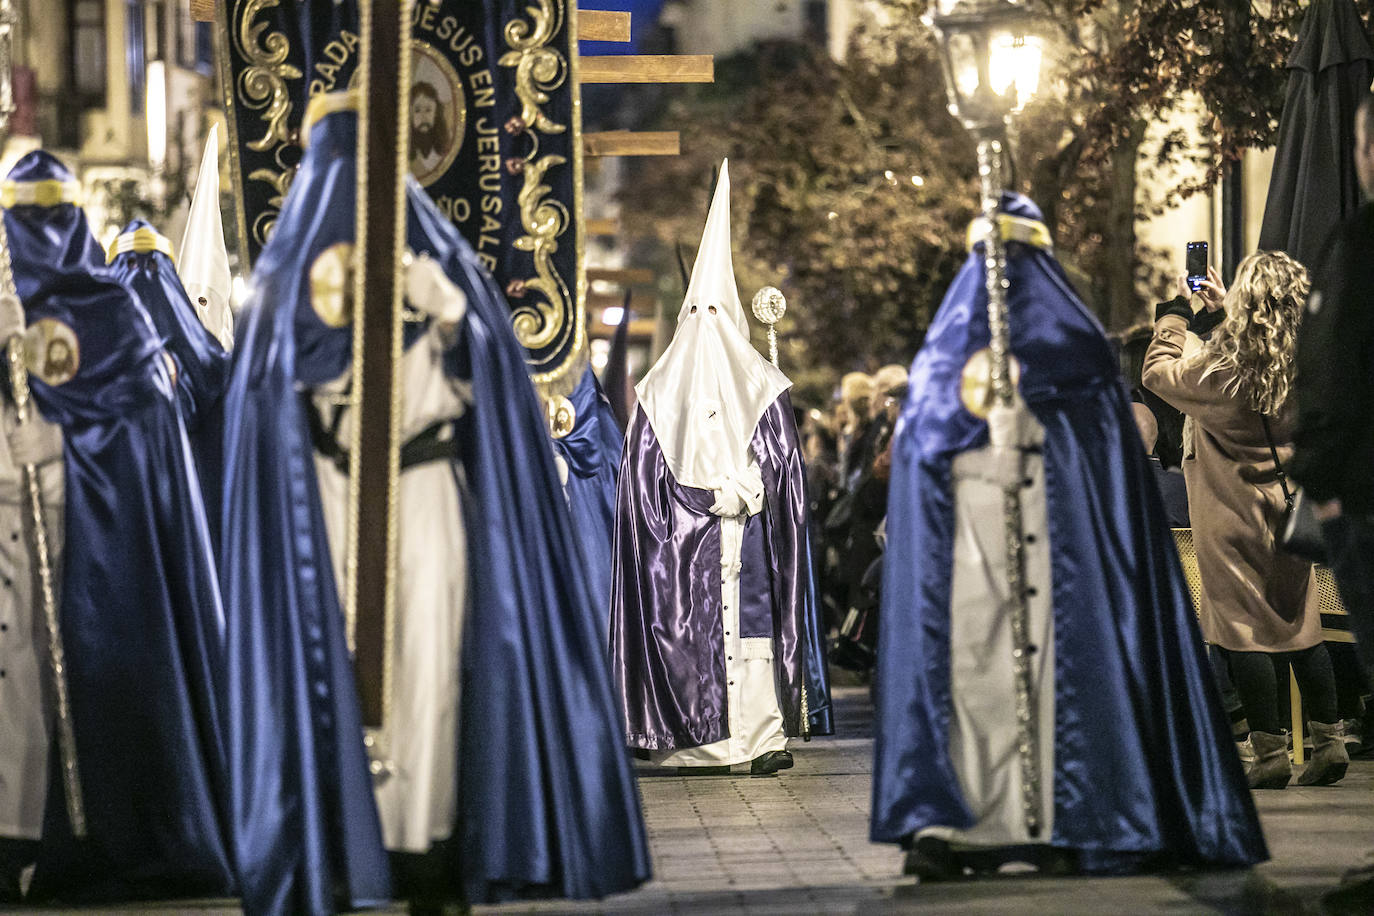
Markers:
(1270, 768)
(1247, 752)
(1329, 756)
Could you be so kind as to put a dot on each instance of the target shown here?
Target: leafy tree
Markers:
(851, 187)
(853, 184)
(1123, 66)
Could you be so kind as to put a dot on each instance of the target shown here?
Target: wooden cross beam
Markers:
(622, 276)
(648, 68)
(631, 143)
(603, 25)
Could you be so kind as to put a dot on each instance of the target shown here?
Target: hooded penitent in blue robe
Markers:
(141, 260)
(1144, 772)
(592, 453)
(547, 802)
(139, 603)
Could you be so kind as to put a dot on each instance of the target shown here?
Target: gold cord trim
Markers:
(47, 193)
(328, 103)
(142, 240)
(1014, 229)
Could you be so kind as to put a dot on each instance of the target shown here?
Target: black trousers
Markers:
(1257, 679)
(1350, 550)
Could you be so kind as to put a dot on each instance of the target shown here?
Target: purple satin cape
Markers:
(667, 646)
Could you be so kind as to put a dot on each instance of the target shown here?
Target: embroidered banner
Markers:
(495, 139)
(265, 49)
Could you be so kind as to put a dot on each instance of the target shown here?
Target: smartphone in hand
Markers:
(1197, 264)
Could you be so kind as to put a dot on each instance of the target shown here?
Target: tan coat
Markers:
(1255, 598)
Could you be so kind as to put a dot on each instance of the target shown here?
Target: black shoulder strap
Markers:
(1278, 465)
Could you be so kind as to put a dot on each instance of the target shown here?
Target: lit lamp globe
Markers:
(769, 305)
(991, 63)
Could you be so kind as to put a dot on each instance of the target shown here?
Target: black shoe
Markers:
(769, 763)
(932, 860)
(703, 771)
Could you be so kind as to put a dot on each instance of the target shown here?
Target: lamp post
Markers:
(991, 68)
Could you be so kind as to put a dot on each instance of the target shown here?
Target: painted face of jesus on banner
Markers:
(438, 114)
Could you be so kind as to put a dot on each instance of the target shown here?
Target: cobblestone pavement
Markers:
(798, 844)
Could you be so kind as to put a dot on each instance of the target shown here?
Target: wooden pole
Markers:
(383, 158)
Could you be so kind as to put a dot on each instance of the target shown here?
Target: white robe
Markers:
(754, 717)
(25, 708)
(415, 751)
(983, 732)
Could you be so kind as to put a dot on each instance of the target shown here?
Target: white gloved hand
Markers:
(739, 495)
(429, 290)
(35, 442)
(562, 464)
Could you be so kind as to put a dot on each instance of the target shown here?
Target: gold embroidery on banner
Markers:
(281, 183)
(539, 69)
(544, 219)
(262, 87)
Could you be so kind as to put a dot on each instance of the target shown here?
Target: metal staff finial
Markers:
(769, 306)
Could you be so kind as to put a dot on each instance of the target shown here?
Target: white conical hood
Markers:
(204, 262)
(705, 395)
(713, 274)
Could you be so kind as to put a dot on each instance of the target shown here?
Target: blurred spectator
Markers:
(861, 550)
(1334, 440)
(1169, 421)
(856, 394)
(1256, 600)
(1171, 485)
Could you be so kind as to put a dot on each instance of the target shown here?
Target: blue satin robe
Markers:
(202, 363)
(592, 452)
(547, 801)
(1146, 774)
(139, 604)
(667, 645)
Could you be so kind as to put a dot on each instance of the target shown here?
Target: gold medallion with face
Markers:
(438, 113)
(562, 417)
(51, 351)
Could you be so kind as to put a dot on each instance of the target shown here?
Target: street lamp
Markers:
(991, 62)
(992, 67)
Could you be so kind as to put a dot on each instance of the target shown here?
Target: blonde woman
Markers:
(1258, 604)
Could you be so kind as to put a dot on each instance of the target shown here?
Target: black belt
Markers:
(436, 442)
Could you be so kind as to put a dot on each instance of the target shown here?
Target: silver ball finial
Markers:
(769, 305)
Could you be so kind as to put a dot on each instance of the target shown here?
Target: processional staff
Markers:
(16, 351)
(768, 306)
(970, 31)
